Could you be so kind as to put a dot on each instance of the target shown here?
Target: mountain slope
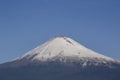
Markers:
(57, 71)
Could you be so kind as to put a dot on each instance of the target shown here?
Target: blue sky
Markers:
(24, 24)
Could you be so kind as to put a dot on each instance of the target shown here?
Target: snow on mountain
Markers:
(63, 49)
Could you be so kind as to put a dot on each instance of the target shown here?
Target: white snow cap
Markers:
(62, 46)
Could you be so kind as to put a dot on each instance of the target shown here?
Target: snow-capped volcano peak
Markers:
(60, 58)
(62, 48)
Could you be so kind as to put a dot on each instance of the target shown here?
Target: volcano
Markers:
(61, 58)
